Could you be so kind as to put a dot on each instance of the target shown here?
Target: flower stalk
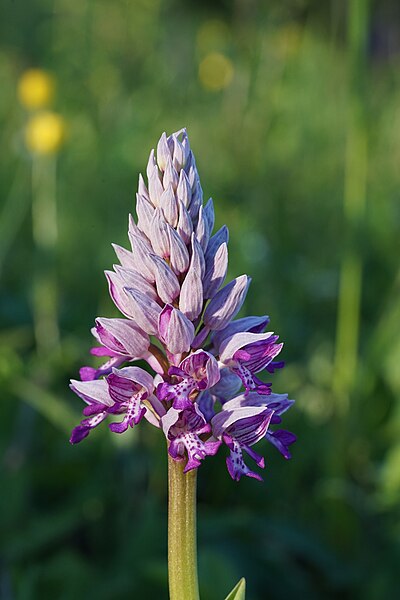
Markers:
(182, 547)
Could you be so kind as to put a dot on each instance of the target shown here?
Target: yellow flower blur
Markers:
(216, 71)
(35, 89)
(44, 133)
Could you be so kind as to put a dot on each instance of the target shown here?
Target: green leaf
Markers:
(53, 408)
(239, 591)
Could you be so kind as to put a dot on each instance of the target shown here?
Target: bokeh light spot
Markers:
(35, 89)
(44, 133)
(216, 71)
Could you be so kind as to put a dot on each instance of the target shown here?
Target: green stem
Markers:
(45, 235)
(355, 192)
(182, 551)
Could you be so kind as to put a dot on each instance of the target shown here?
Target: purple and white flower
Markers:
(240, 428)
(249, 353)
(198, 371)
(178, 320)
(182, 429)
(279, 404)
(128, 387)
(98, 400)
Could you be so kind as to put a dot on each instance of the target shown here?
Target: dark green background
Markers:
(273, 150)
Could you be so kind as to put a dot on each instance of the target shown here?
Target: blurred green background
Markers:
(293, 112)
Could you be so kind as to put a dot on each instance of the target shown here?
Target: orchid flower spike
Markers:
(178, 320)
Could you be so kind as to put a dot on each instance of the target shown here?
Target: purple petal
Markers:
(179, 255)
(142, 188)
(118, 295)
(144, 311)
(134, 232)
(237, 341)
(180, 149)
(119, 427)
(281, 439)
(249, 430)
(179, 393)
(185, 225)
(191, 169)
(170, 177)
(257, 356)
(226, 303)
(184, 192)
(78, 434)
(155, 186)
(151, 163)
(135, 413)
(196, 449)
(248, 424)
(164, 320)
(142, 261)
(196, 201)
(122, 336)
(216, 269)
(81, 431)
(201, 366)
(129, 381)
(197, 261)
(101, 351)
(87, 373)
(163, 151)
(220, 237)
(145, 213)
(186, 147)
(279, 403)
(92, 391)
(200, 338)
(169, 206)
(251, 382)
(169, 419)
(167, 284)
(209, 215)
(175, 330)
(154, 416)
(253, 324)
(133, 279)
(159, 234)
(228, 385)
(235, 463)
(125, 257)
(191, 296)
(273, 366)
(205, 403)
(94, 409)
(202, 229)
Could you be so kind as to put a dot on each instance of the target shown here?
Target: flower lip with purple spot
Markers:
(196, 372)
(128, 387)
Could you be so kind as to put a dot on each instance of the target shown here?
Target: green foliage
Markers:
(270, 146)
(238, 592)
